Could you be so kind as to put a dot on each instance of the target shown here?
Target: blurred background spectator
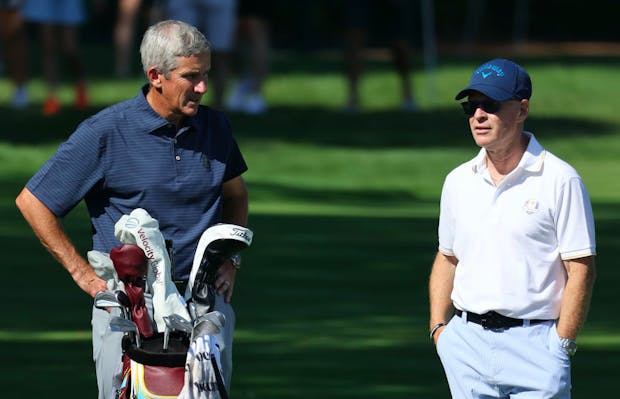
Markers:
(14, 41)
(125, 36)
(252, 55)
(356, 29)
(269, 30)
(58, 22)
(216, 19)
(131, 16)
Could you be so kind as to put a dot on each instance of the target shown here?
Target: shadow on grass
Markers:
(38, 369)
(331, 307)
(265, 191)
(317, 126)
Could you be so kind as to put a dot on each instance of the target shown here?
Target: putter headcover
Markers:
(130, 263)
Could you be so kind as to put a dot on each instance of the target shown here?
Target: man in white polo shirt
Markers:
(511, 283)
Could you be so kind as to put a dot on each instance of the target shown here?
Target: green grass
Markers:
(332, 300)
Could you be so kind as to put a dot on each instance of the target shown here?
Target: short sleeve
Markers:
(70, 173)
(575, 221)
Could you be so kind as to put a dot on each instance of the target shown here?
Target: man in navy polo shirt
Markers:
(161, 151)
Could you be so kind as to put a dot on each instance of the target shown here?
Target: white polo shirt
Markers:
(510, 239)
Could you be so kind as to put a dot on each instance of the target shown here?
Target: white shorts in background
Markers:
(58, 12)
(518, 362)
(216, 19)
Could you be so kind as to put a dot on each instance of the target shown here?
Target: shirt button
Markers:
(178, 157)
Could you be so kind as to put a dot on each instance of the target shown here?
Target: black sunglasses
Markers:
(488, 106)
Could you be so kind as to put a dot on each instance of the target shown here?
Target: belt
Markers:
(492, 319)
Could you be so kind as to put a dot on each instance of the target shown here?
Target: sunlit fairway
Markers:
(332, 298)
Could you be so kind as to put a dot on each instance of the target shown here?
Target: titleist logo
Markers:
(241, 233)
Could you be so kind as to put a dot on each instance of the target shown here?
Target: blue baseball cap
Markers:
(500, 80)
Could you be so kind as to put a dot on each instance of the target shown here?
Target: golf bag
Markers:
(183, 361)
(150, 372)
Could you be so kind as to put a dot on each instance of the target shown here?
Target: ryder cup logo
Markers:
(530, 206)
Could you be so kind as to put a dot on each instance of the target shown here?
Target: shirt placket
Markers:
(178, 153)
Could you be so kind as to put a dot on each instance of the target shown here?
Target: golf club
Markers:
(166, 333)
(178, 323)
(209, 324)
(119, 324)
(123, 299)
(106, 299)
(215, 319)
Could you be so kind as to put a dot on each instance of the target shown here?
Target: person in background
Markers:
(160, 151)
(511, 284)
(129, 17)
(14, 41)
(217, 20)
(357, 15)
(252, 47)
(58, 22)
(124, 34)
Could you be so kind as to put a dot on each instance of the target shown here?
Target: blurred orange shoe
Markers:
(81, 96)
(51, 106)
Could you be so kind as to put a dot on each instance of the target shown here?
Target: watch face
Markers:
(236, 260)
(569, 346)
(572, 347)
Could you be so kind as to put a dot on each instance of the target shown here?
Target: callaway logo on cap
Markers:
(489, 69)
(501, 80)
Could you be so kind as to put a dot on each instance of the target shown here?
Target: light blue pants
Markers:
(519, 362)
(107, 352)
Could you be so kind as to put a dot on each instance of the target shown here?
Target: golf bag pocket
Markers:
(149, 372)
(156, 382)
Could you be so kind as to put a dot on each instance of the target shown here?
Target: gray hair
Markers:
(164, 41)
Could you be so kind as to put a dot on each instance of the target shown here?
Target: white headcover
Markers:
(141, 229)
(221, 231)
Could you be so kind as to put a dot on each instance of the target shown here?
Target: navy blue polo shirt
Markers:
(127, 157)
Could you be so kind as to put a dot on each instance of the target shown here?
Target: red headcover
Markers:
(130, 263)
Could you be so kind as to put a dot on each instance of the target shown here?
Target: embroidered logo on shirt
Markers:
(530, 206)
(205, 161)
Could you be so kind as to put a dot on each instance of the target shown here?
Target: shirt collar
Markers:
(146, 117)
(151, 120)
(532, 160)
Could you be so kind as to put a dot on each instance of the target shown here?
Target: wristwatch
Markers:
(236, 261)
(569, 346)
